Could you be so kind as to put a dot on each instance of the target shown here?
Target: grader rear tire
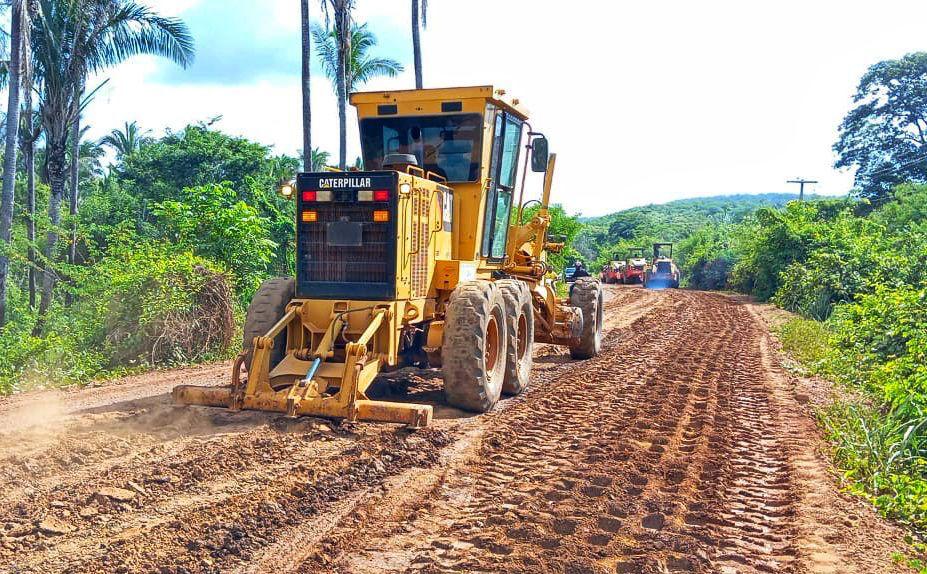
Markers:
(267, 307)
(473, 351)
(587, 296)
(519, 322)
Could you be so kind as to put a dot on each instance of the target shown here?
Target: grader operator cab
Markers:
(424, 260)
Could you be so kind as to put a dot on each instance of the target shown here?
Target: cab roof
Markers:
(488, 94)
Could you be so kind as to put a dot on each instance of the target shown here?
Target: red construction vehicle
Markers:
(636, 267)
(613, 272)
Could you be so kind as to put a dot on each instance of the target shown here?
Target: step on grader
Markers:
(427, 259)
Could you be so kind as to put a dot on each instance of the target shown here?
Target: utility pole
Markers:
(801, 190)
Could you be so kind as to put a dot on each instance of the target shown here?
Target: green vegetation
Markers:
(702, 228)
(884, 136)
(858, 276)
(171, 244)
(856, 273)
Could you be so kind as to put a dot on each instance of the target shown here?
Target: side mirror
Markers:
(539, 154)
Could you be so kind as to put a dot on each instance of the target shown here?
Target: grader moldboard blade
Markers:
(312, 395)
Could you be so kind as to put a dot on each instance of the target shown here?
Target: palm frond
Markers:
(129, 29)
(326, 51)
(373, 67)
(361, 67)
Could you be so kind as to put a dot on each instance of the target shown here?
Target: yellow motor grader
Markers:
(426, 259)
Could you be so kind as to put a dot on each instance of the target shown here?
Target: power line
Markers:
(801, 190)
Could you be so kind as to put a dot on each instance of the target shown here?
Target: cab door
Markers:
(502, 172)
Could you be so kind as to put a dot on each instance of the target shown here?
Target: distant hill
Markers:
(671, 221)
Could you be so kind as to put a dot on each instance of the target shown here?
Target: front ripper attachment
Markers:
(319, 394)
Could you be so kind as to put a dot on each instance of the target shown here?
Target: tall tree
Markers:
(418, 15)
(71, 40)
(885, 135)
(306, 85)
(340, 12)
(360, 67)
(127, 140)
(31, 130)
(10, 149)
(74, 196)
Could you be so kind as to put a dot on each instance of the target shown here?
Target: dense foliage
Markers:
(705, 231)
(171, 243)
(885, 135)
(857, 273)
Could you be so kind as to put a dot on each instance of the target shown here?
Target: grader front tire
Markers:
(587, 296)
(473, 352)
(267, 307)
(519, 317)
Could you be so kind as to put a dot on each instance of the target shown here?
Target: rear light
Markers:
(310, 217)
(370, 195)
(381, 216)
(322, 195)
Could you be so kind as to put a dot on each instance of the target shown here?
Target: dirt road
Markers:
(683, 447)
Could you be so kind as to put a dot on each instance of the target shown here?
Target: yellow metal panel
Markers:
(448, 274)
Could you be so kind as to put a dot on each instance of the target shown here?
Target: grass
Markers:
(880, 451)
(806, 341)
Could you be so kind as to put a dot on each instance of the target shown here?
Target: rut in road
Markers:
(678, 449)
(209, 490)
(673, 465)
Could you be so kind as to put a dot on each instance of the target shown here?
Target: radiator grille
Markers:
(368, 263)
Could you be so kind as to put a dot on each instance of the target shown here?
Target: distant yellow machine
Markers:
(662, 271)
(426, 259)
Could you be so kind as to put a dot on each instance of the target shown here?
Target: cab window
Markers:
(448, 145)
(502, 172)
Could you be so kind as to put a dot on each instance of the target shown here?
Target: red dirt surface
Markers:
(683, 447)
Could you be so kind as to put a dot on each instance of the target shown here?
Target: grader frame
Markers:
(335, 344)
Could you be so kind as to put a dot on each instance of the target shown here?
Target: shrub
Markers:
(52, 360)
(152, 303)
(883, 456)
(212, 222)
(881, 341)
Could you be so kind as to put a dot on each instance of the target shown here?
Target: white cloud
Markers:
(643, 102)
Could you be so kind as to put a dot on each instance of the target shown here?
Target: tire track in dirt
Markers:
(676, 469)
(215, 488)
(675, 450)
(546, 446)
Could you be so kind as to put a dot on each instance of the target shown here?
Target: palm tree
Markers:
(31, 130)
(85, 162)
(319, 159)
(10, 147)
(127, 140)
(306, 54)
(360, 67)
(416, 39)
(91, 155)
(341, 10)
(71, 40)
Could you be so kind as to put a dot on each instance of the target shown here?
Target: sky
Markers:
(644, 102)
